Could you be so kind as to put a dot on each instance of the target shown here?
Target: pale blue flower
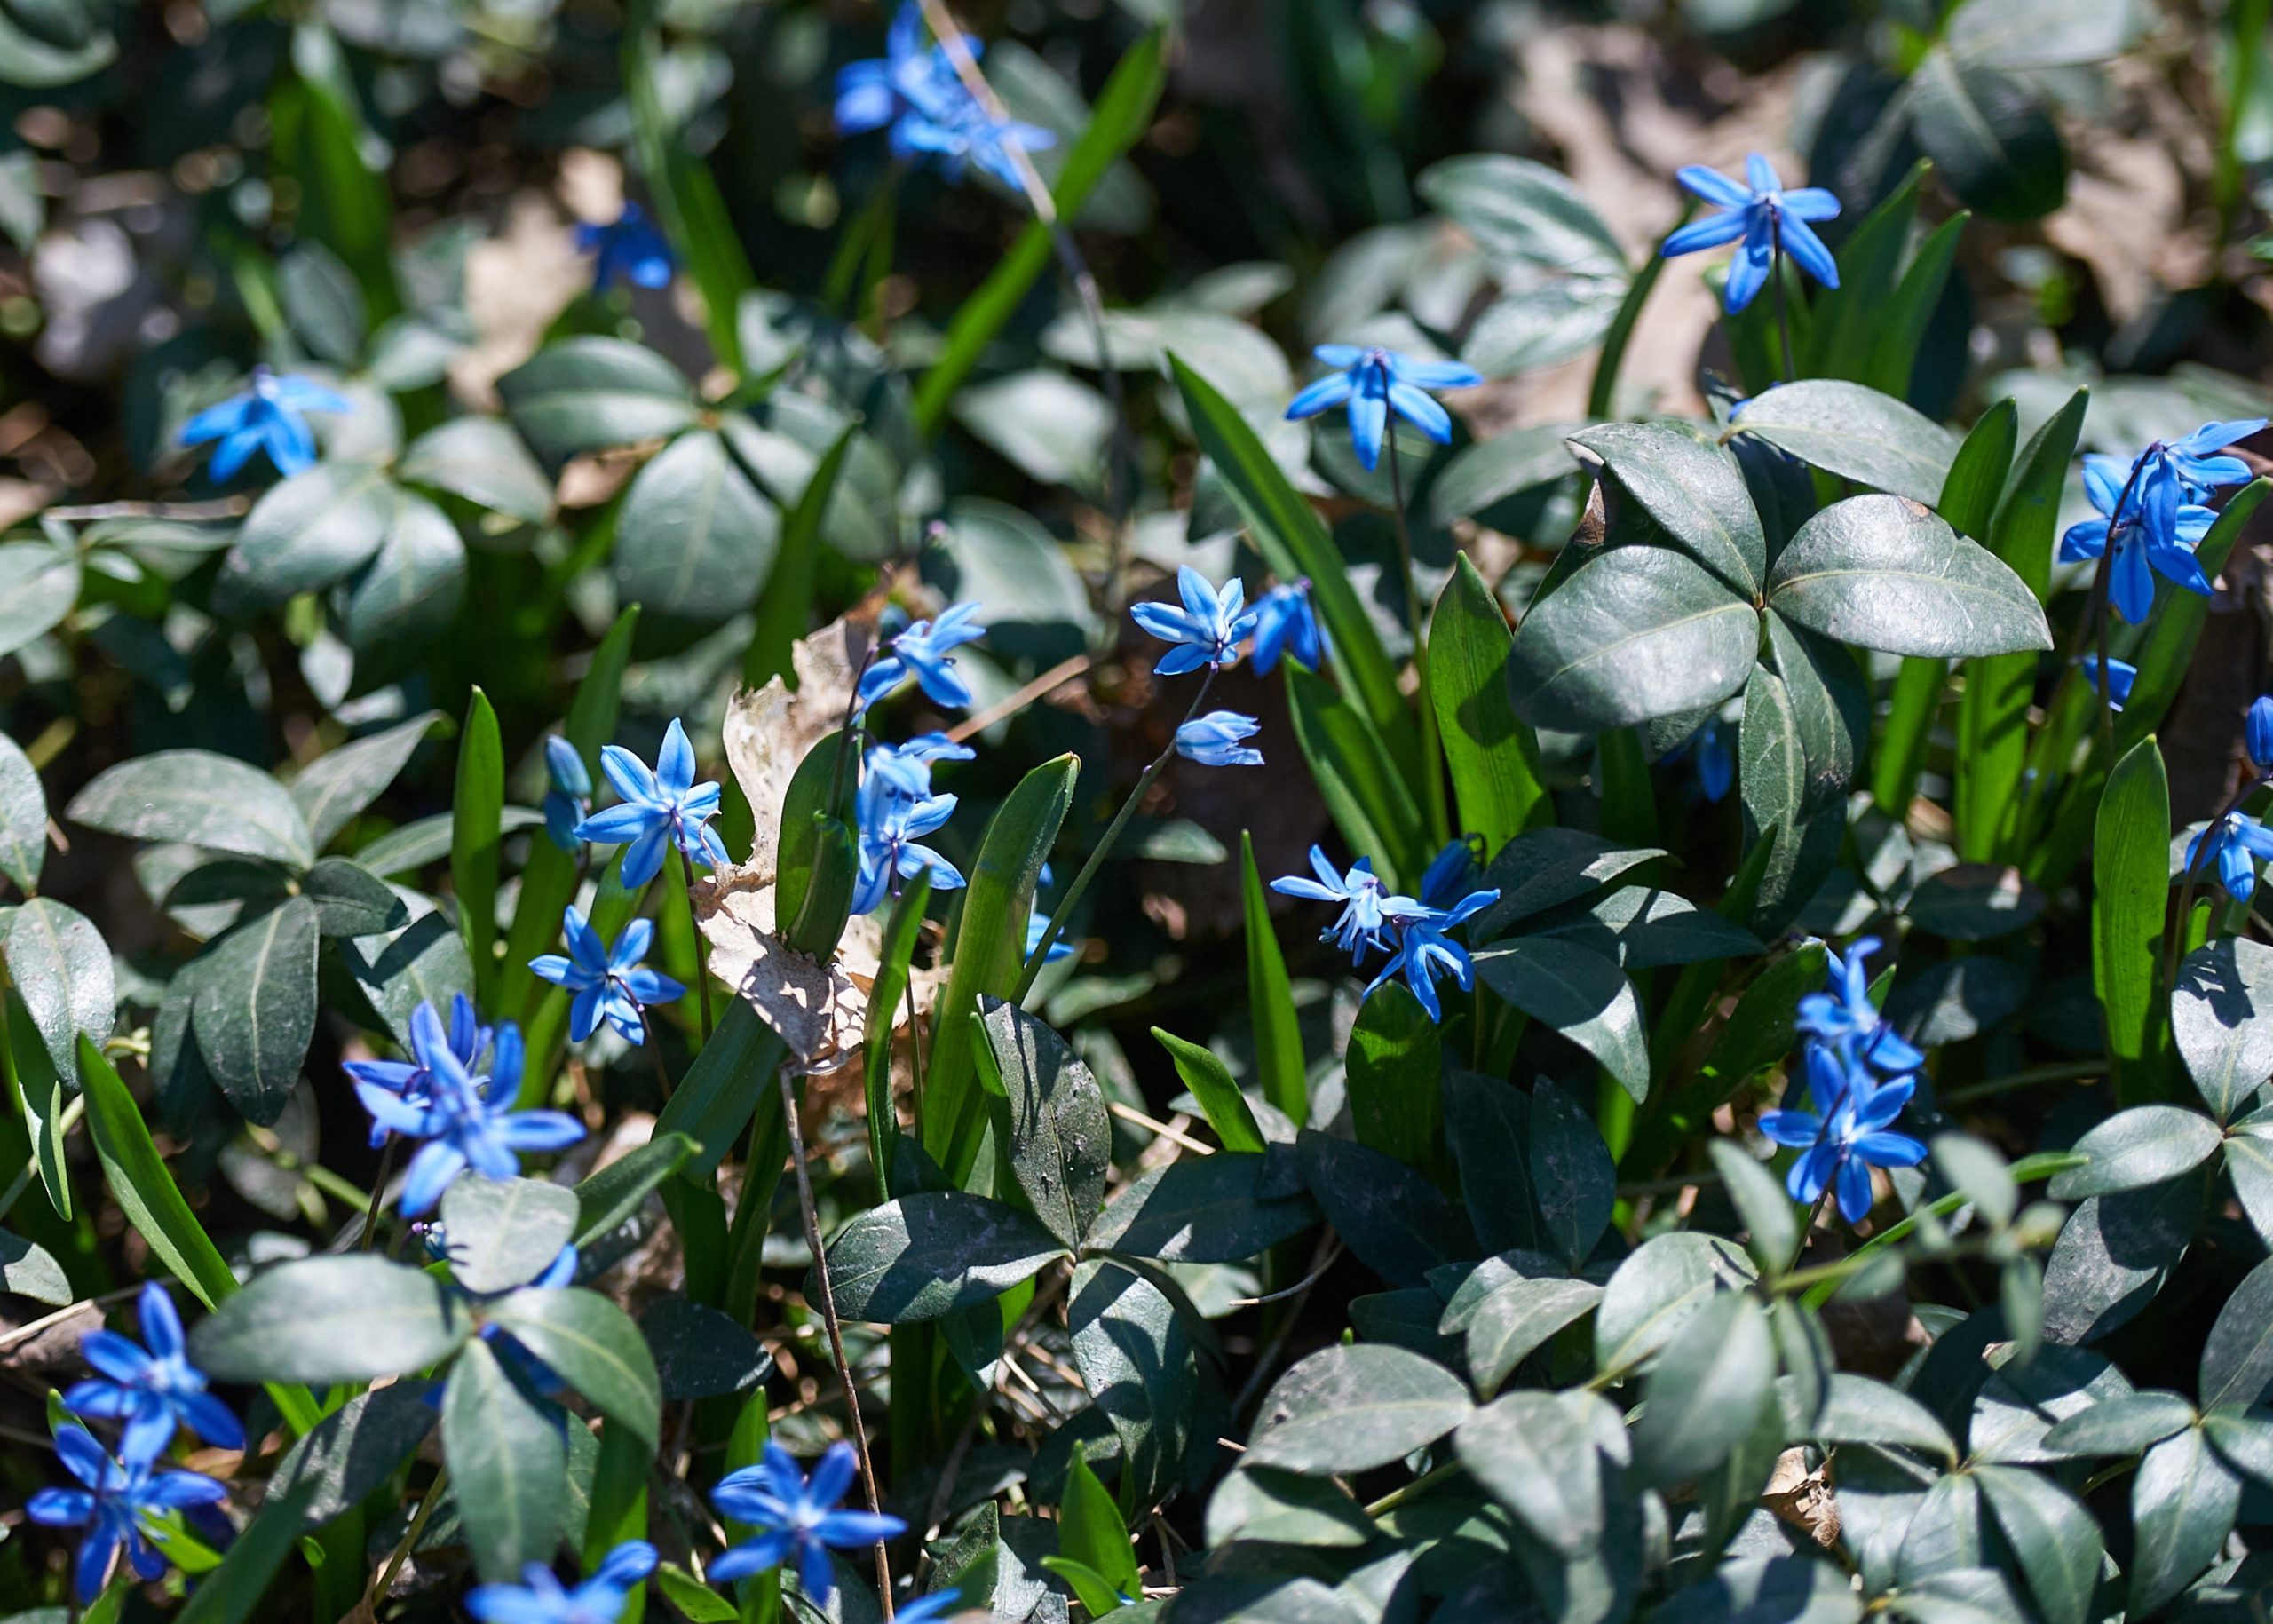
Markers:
(1366, 903)
(1844, 1016)
(905, 769)
(628, 248)
(153, 1391)
(914, 90)
(664, 807)
(1374, 382)
(2194, 461)
(921, 652)
(890, 841)
(540, 1598)
(1207, 631)
(1038, 924)
(2235, 845)
(2155, 533)
(2122, 677)
(797, 1517)
(469, 1041)
(269, 415)
(1213, 739)
(1764, 215)
(2257, 733)
(610, 985)
(1286, 623)
(1423, 951)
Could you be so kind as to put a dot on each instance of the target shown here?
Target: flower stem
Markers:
(2174, 943)
(1431, 747)
(702, 967)
(830, 1322)
(378, 1193)
(1783, 316)
(1063, 911)
(426, 1510)
(654, 1047)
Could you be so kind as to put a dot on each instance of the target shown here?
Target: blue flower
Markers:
(119, 1506)
(1710, 749)
(928, 1608)
(153, 1391)
(2235, 844)
(797, 1517)
(1764, 215)
(1446, 878)
(1286, 623)
(1365, 919)
(1208, 630)
(609, 985)
(628, 249)
(916, 90)
(267, 417)
(1844, 1016)
(2257, 733)
(540, 1598)
(1375, 383)
(921, 652)
(1212, 741)
(2193, 461)
(1038, 923)
(461, 1122)
(2122, 675)
(905, 769)
(1423, 952)
(2155, 532)
(568, 793)
(1846, 1134)
(892, 828)
(469, 1041)
(664, 805)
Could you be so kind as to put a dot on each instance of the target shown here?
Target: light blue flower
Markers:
(1212, 741)
(2122, 677)
(1846, 1134)
(921, 652)
(1446, 878)
(1038, 924)
(2257, 733)
(469, 1041)
(568, 793)
(121, 1505)
(1763, 214)
(540, 1598)
(1423, 951)
(930, 1609)
(1374, 382)
(664, 806)
(905, 769)
(2193, 461)
(151, 1391)
(268, 417)
(892, 826)
(466, 1120)
(1844, 1016)
(610, 985)
(2156, 533)
(629, 248)
(1286, 623)
(914, 90)
(1366, 903)
(797, 1517)
(1207, 631)
(2235, 844)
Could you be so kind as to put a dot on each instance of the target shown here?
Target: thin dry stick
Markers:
(24, 1333)
(223, 507)
(1063, 672)
(385, 1580)
(1129, 1114)
(702, 969)
(835, 1326)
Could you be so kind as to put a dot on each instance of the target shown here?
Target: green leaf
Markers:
(595, 1347)
(1479, 477)
(141, 1185)
(1219, 1100)
(1352, 1408)
(39, 585)
(929, 1253)
(1856, 1410)
(2055, 1538)
(2144, 1145)
(1057, 1134)
(30, 1271)
(508, 1459)
(314, 528)
(23, 817)
(1583, 995)
(694, 539)
(694, 1598)
(1277, 1508)
(1090, 1531)
(1636, 633)
(1890, 575)
(701, 1352)
(989, 954)
(1493, 755)
(483, 461)
(1211, 1209)
(1396, 1054)
(1091, 1587)
(232, 1592)
(1707, 1392)
(505, 1232)
(1978, 902)
(1487, 1122)
(2130, 891)
(354, 1450)
(1396, 1222)
(2114, 1254)
(584, 393)
(1520, 1300)
(337, 785)
(1773, 1229)
(475, 832)
(1641, 928)
(1572, 1177)
(1295, 543)
(1535, 1454)
(350, 900)
(2041, 33)
(1357, 778)
(64, 980)
(2221, 1016)
(1979, 1173)
(425, 961)
(325, 1319)
(785, 610)
(1993, 141)
(410, 590)
(895, 956)
(2237, 1357)
(1548, 867)
(2164, 657)
(730, 1079)
(2183, 1502)
(1690, 485)
(1654, 1292)
(1278, 1062)
(2127, 1424)
(255, 1012)
(1855, 432)
(1138, 1361)
(1769, 1591)
(2244, 1440)
(199, 799)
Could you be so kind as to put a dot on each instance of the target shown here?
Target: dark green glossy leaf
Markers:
(694, 538)
(1351, 1408)
(594, 1346)
(2144, 1145)
(2057, 1542)
(314, 528)
(2125, 1425)
(1889, 575)
(411, 589)
(584, 393)
(1690, 485)
(256, 1008)
(198, 798)
(23, 817)
(2183, 1502)
(508, 1459)
(1397, 1223)
(1708, 1389)
(30, 1271)
(505, 1233)
(481, 460)
(1270, 1506)
(1654, 1293)
(1492, 755)
(62, 973)
(1992, 141)
(1636, 633)
(1535, 1454)
(700, 1352)
(39, 585)
(1572, 1176)
(2238, 1358)
(1060, 1139)
(1855, 432)
(1139, 1364)
(327, 1320)
(1487, 1123)
(928, 1253)
(351, 900)
(341, 783)
(356, 1448)
(2221, 1016)
(1579, 993)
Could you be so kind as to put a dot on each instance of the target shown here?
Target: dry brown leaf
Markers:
(814, 1007)
(768, 729)
(1803, 1498)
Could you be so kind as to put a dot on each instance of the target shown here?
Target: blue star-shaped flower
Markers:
(1212, 741)
(1365, 917)
(466, 1120)
(469, 1041)
(1377, 382)
(2194, 461)
(1423, 951)
(1714, 757)
(2236, 844)
(268, 417)
(2122, 677)
(153, 1391)
(1763, 214)
(1286, 623)
(1208, 630)
(892, 826)
(664, 806)
(1446, 878)
(914, 90)
(905, 769)
(1843, 1016)
(118, 1506)
(568, 793)
(797, 1517)
(610, 985)
(1846, 1134)
(540, 1598)
(628, 248)
(2156, 533)
(2257, 733)
(921, 652)
(930, 1609)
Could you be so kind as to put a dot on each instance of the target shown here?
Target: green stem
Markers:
(1600, 393)
(378, 1193)
(1432, 765)
(64, 1124)
(426, 1508)
(1783, 315)
(1823, 1281)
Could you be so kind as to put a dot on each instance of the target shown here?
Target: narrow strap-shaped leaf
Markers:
(1848, 317)
(893, 957)
(232, 1592)
(1900, 326)
(475, 830)
(2130, 894)
(1350, 762)
(1490, 750)
(1270, 1000)
(1219, 1100)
